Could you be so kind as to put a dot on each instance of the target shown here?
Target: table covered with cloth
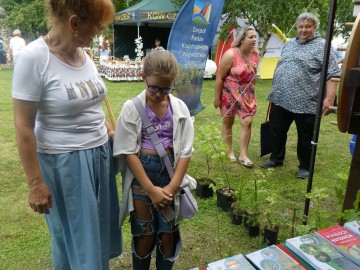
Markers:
(120, 70)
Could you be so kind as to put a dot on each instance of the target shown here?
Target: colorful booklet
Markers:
(347, 243)
(273, 257)
(292, 254)
(353, 226)
(237, 262)
(319, 253)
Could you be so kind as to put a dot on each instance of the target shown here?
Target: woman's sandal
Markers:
(247, 163)
(232, 158)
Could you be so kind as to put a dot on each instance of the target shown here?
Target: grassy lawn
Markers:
(209, 236)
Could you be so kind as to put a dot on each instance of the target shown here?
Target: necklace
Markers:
(243, 56)
(62, 55)
(249, 64)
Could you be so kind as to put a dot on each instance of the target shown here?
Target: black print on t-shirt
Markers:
(71, 92)
(92, 88)
(82, 87)
(99, 87)
(96, 89)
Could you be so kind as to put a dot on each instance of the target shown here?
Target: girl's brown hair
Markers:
(160, 63)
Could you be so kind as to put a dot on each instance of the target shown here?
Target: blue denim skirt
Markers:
(84, 220)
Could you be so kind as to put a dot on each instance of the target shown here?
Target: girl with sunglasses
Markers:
(148, 190)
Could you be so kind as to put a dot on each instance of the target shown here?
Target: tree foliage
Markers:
(121, 4)
(262, 14)
(30, 15)
(26, 15)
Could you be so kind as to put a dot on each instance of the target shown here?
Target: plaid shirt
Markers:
(296, 81)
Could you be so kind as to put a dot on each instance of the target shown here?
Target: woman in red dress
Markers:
(235, 90)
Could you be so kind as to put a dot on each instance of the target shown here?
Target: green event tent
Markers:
(149, 19)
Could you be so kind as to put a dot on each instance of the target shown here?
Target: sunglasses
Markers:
(154, 89)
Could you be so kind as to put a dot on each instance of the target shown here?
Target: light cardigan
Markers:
(127, 140)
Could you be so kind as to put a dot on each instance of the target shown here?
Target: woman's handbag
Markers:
(265, 135)
(188, 204)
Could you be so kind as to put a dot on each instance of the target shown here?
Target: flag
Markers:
(273, 50)
(190, 40)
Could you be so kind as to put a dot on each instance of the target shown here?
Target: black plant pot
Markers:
(246, 219)
(236, 218)
(203, 190)
(254, 230)
(271, 235)
(224, 198)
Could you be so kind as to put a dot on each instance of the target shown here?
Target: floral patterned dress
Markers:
(238, 94)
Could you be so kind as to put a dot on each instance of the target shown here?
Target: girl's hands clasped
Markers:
(160, 197)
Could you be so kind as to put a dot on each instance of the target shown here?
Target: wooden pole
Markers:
(353, 184)
(321, 97)
(111, 115)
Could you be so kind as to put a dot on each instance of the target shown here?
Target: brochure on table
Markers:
(319, 253)
(237, 262)
(273, 258)
(353, 226)
(347, 243)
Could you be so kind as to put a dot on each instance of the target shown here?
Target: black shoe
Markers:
(270, 164)
(302, 173)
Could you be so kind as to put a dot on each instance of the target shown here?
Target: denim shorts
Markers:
(157, 173)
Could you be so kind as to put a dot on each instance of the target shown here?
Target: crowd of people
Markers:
(293, 97)
(66, 146)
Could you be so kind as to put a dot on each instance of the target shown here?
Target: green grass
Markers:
(209, 236)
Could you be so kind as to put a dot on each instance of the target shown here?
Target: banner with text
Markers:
(190, 40)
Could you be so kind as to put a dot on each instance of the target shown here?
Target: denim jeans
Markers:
(157, 173)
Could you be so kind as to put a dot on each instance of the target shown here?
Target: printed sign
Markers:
(190, 40)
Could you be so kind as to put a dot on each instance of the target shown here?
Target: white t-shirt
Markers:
(70, 116)
(16, 45)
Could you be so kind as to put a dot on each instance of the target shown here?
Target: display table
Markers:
(126, 71)
(120, 70)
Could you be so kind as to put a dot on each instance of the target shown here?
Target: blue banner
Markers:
(190, 40)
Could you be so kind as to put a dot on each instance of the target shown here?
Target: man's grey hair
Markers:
(308, 16)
